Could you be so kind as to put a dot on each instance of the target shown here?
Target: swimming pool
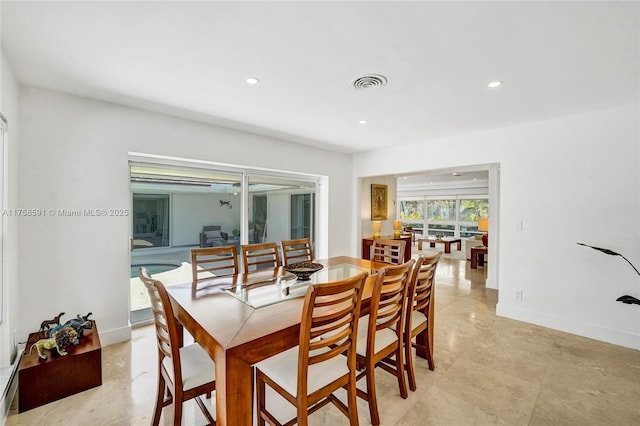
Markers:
(153, 268)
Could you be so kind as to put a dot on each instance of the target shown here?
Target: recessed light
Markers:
(252, 80)
(363, 121)
(494, 84)
(455, 174)
(475, 179)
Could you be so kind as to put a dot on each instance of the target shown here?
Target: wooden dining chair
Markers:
(298, 250)
(260, 255)
(213, 261)
(420, 309)
(380, 334)
(184, 373)
(387, 251)
(327, 333)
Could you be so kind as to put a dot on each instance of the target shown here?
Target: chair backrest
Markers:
(387, 251)
(329, 324)
(421, 284)
(213, 261)
(258, 256)
(296, 251)
(166, 329)
(388, 301)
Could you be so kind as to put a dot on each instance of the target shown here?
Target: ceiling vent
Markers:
(370, 81)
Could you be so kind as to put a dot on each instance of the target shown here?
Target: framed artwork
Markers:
(378, 202)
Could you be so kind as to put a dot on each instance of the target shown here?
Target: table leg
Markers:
(432, 244)
(419, 244)
(234, 392)
(474, 259)
(447, 247)
(459, 245)
(480, 257)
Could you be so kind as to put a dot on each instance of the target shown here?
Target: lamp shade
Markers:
(397, 228)
(377, 226)
(483, 224)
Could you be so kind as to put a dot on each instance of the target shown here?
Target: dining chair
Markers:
(419, 314)
(327, 332)
(298, 250)
(380, 334)
(213, 261)
(260, 255)
(184, 373)
(387, 251)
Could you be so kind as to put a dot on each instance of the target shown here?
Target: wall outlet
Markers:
(517, 295)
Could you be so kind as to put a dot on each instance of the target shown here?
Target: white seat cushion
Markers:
(417, 318)
(384, 337)
(283, 369)
(197, 367)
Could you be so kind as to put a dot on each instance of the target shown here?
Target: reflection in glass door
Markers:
(302, 215)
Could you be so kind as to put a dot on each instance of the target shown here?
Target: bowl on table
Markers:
(303, 270)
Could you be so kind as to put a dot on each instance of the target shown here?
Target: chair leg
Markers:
(352, 400)
(410, 368)
(303, 415)
(157, 411)
(260, 397)
(371, 393)
(177, 413)
(429, 351)
(400, 373)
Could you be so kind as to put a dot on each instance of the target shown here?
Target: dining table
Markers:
(245, 318)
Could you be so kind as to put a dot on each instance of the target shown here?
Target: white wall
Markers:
(192, 211)
(571, 179)
(365, 224)
(74, 154)
(9, 108)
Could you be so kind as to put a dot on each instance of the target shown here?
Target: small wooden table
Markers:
(477, 256)
(447, 243)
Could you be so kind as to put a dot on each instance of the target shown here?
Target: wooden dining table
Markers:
(238, 331)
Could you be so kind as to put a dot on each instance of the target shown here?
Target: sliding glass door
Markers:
(178, 208)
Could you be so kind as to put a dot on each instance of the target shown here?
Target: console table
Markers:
(368, 242)
(42, 381)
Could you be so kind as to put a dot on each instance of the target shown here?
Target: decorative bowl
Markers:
(303, 270)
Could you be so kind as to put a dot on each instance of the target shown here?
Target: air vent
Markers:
(370, 81)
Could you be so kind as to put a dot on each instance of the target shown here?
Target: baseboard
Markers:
(616, 337)
(116, 335)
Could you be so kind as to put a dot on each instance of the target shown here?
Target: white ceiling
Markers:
(191, 59)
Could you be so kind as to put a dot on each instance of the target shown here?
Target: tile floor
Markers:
(489, 371)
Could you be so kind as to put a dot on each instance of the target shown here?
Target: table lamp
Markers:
(397, 228)
(377, 226)
(483, 225)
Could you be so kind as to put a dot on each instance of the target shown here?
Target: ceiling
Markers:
(191, 59)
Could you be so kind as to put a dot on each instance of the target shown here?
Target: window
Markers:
(442, 210)
(445, 216)
(302, 216)
(412, 210)
(472, 210)
(150, 220)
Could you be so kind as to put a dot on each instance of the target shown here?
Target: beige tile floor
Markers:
(489, 371)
